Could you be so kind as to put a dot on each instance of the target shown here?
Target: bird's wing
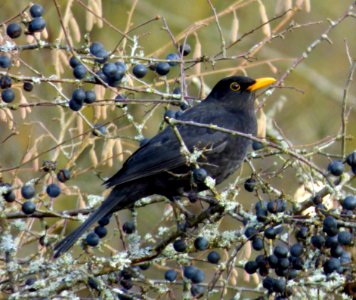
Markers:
(162, 152)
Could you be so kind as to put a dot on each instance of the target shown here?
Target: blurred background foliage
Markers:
(306, 111)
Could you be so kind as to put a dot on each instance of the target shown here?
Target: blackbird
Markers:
(159, 167)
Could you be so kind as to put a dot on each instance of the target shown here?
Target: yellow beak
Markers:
(261, 83)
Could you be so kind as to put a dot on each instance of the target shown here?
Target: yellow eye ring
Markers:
(234, 86)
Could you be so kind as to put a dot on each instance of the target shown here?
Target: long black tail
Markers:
(115, 201)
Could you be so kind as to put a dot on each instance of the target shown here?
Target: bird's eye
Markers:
(234, 86)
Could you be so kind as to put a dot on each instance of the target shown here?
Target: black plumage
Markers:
(158, 167)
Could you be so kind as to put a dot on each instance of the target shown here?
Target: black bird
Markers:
(158, 167)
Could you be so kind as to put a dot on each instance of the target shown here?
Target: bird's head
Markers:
(237, 91)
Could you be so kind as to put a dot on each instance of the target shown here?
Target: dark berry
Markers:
(101, 231)
(79, 71)
(331, 265)
(331, 241)
(198, 276)
(296, 250)
(197, 290)
(185, 49)
(163, 68)
(173, 57)
(5, 82)
(127, 273)
(101, 77)
(63, 175)
(170, 275)
(272, 260)
(5, 62)
(297, 262)
(250, 184)
(36, 11)
(8, 95)
(139, 71)
(275, 206)
(28, 191)
(99, 130)
(345, 258)
(53, 190)
(93, 283)
(302, 233)
(270, 233)
(189, 271)
(344, 238)
(73, 62)
(330, 226)
(74, 105)
(105, 220)
(251, 267)
(14, 30)
(283, 263)
(144, 266)
(92, 239)
(213, 257)
(336, 167)
(349, 202)
(257, 243)
(199, 175)
(201, 243)
(250, 232)
(351, 159)
(257, 145)
(28, 207)
(317, 200)
(169, 114)
(95, 48)
(183, 106)
(101, 56)
(129, 227)
(28, 86)
(29, 282)
(336, 251)
(280, 251)
(110, 69)
(126, 284)
(36, 25)
(121, 67)
(318, 241)
(9, 196)
(268, 283)
(177, 91)
(180, 245)
(90, 97)
(78, 95)
(279, 285)
(261, 215)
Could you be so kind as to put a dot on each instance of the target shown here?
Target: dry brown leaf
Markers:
(197, 53)
(93, 158)
(89, 19)
(118, 150)
(80, 126)
(261, 124)
(108, 152)
(234, 27)
(266, 29)
(73, 25)
(233, 276)
(26, 109)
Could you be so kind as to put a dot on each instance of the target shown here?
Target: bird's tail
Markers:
(111, 203)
